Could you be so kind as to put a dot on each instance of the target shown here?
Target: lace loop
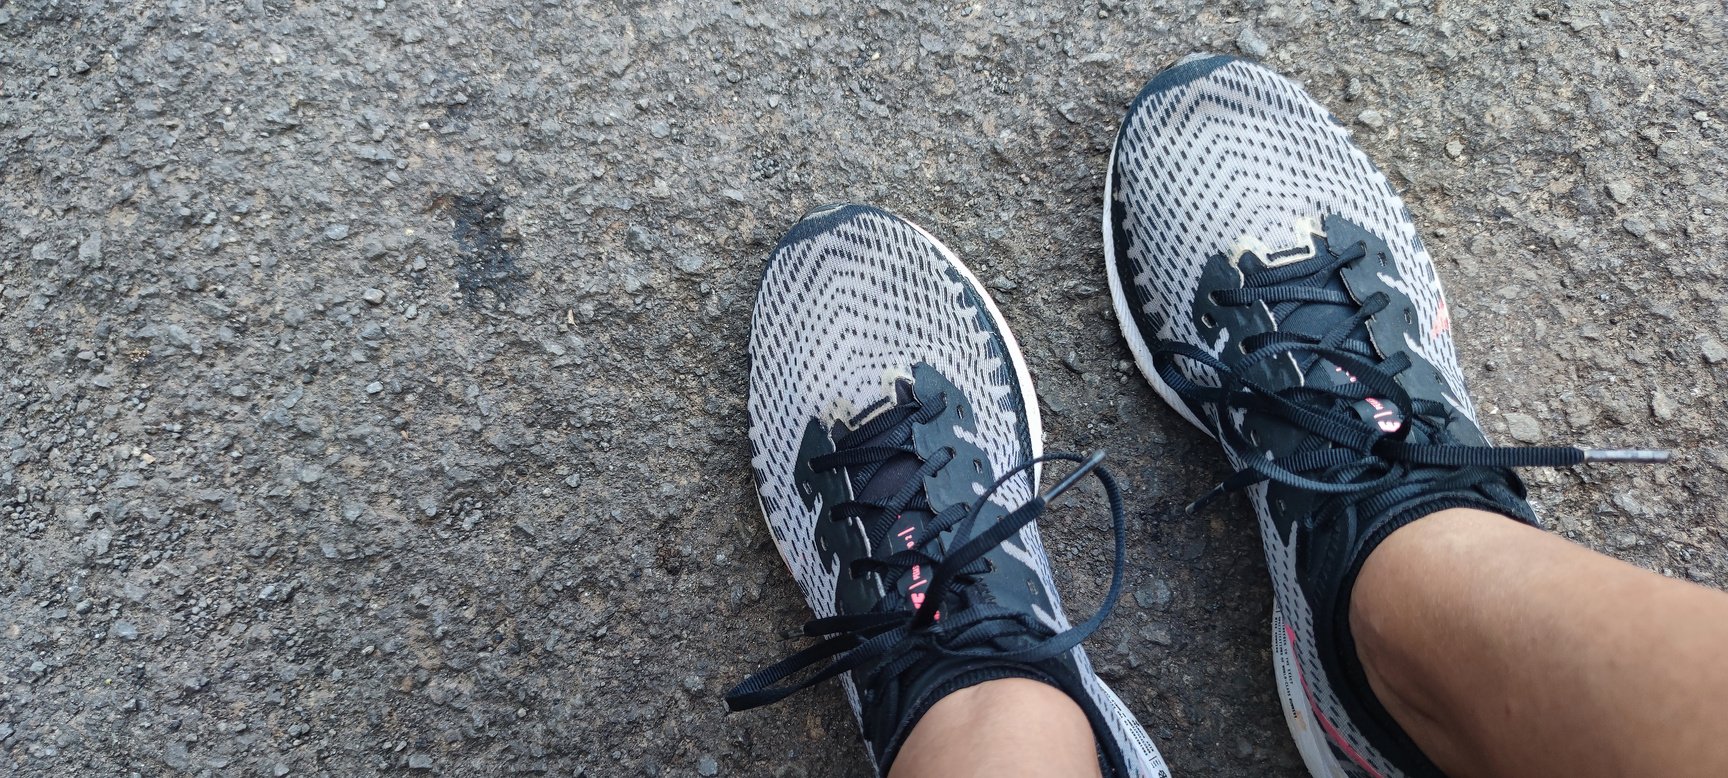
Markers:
(1346, 456)
(896, 640)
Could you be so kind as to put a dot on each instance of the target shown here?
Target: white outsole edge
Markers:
(1311, 740)
(1119, 303)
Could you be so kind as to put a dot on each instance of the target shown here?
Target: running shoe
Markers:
(897, 451)
(1271, 285)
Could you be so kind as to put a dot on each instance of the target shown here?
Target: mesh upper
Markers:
(843, 311)
(852, 298)
(1222, 156)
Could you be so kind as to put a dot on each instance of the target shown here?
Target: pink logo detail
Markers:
(1442, 321)
(919, 580)
(1314, 707)
(1380, 414)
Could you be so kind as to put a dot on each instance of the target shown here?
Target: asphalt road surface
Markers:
(374, 372)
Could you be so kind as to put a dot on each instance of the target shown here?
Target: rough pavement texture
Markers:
(374, 371)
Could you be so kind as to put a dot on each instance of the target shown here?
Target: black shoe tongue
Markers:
(1323, 317)
(890, 478)
(914, 583)
(894, 473)
(1373, 410)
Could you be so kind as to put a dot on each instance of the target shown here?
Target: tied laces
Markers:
(1347, 455)
(892, 640)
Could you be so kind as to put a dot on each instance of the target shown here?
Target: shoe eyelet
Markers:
(1409, 317)
(977, 466)
(1207, 321)
(1242, 346)
(960, 412)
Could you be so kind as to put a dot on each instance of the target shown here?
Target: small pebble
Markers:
(1714, 351)
(1155, 595)
(1663, 406)
(1622, 191)
(1252, 44)
(1523, 428)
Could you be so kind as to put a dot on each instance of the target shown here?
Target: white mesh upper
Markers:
(853, 298)
(1239, 158)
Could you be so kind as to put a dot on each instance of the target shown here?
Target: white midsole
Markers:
(1311, 740)
(1124, 314)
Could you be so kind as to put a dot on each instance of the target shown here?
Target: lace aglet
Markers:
(1635, 455)
(1073, 478)
(1205, 499)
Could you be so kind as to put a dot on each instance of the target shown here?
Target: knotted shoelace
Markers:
(1358, 461)
(891, 641)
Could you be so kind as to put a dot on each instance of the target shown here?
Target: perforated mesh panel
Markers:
(851, 298)
(1220, 159)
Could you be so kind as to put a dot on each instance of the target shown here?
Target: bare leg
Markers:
(1504, 650)
(1012, 727)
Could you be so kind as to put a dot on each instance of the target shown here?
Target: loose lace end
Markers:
(1648, 455)
(1206, 499)
(1074, 477)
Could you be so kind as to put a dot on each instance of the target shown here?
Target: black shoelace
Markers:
(893, 640)
(1347, 456)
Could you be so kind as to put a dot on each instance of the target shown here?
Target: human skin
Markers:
(1504, 650)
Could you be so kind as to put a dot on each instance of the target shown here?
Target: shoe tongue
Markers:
(1318, 317)
(893, 474)
(1373, 410)
(914, 583)
(890, 478)
(1323, 317)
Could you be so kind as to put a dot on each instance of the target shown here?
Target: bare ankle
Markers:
(1007, 727)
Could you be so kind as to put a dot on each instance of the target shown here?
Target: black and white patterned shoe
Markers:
(897, 451)
(1271, 285)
